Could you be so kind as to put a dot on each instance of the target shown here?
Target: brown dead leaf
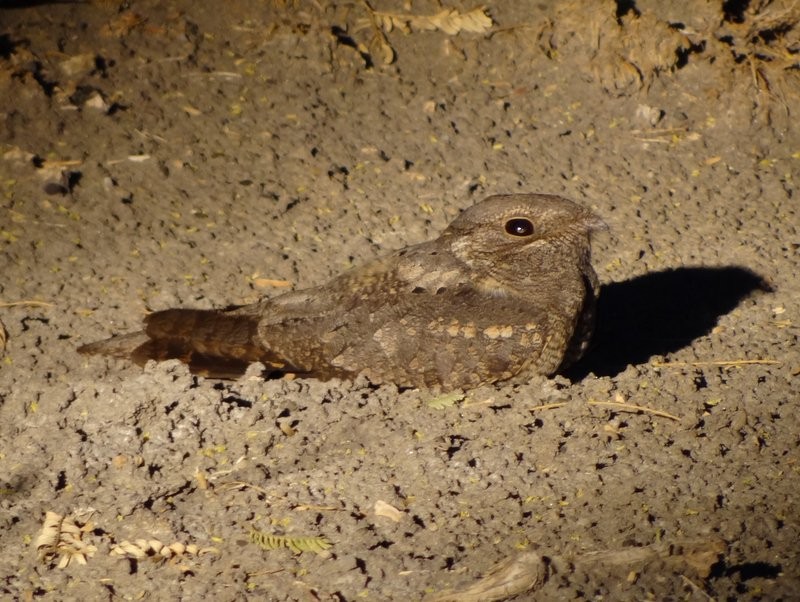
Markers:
(386, 510)
(527, 572)
(448, 20)
(512, 577)
(62, 536)
(691, 556)
(379, 46)
(158, 551)
(452, 22)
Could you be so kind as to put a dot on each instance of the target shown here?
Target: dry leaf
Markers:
(693, 556)
(448, 20)
(514, 576)
(63, 537)
(286, 428)
(48, 537)
(388, 511)
(156, 550)
(452, 22)
(528, 571)
(380, 46)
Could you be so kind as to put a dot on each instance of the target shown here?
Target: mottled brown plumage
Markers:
(507, 290)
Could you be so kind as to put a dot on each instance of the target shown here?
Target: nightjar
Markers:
(506, 291)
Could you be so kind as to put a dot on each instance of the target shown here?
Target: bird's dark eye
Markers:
(519, 226)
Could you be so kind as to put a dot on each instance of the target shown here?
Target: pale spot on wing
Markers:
(498, 332)
(436, 326)
(439, 278)
(456, 329)
(410, 272)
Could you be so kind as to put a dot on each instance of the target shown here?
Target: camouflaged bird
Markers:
(507, 290)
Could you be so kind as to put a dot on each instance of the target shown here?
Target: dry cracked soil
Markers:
(160, 154)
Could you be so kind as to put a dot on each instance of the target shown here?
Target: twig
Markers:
(242, 485)
(27, 303)
(633, 408)
(613, 404)
(696, 588)
(661, 131)
(714, 363)
(549, 406)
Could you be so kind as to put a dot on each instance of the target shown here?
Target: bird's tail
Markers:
(213, 343)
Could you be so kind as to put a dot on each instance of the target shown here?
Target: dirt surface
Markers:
(207, 154)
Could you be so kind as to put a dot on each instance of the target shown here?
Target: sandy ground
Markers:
(208, 154)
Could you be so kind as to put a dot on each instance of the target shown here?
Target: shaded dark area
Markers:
(35, 3)
(7, 46)
(734, 10)
(660, 313)
(753, 570)
(345, 40)
(626, 6)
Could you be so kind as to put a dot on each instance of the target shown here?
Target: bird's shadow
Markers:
(661, 312)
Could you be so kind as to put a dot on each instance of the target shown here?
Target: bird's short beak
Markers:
(594, 223)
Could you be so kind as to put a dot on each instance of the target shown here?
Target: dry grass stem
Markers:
(628, 407)
(32, 303)
(723, 363)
